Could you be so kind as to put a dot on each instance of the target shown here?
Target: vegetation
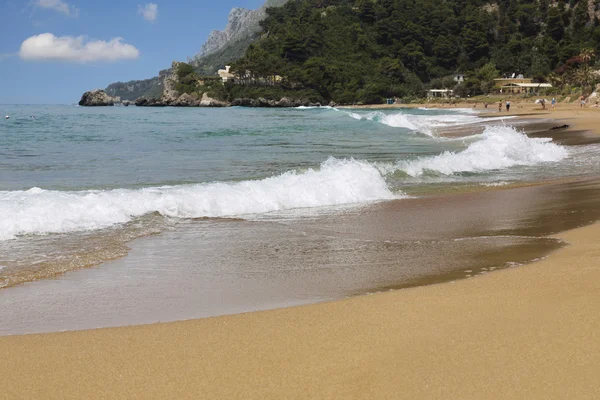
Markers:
(191, 83)
(353, 51)
(149, 88)
(211, 63)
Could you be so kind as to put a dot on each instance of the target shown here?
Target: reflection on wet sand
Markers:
(211, 267)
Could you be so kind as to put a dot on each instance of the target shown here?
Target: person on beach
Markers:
(500, 106)
(582, 102)
(507, 105)
(553, 103)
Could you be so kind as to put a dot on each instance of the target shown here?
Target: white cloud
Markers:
(149, 11)
(58, 6)
(47, 47)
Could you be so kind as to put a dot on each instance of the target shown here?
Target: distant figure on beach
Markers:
(500, 106)
(553, 103)
(582, 102)
(507, 105)
(485, 105)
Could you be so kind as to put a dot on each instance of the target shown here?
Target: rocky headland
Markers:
(97, 98)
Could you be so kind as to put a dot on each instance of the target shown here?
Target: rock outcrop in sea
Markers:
(242, 26)
(97, 98)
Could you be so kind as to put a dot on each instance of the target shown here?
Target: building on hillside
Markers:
(459, 78)
(248, 78)
(225, 75)
(519, 85)
(498, 83)
(440, 93)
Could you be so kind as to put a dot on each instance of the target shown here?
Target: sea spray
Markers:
(426, 124)
(499, 147)
(336, 182)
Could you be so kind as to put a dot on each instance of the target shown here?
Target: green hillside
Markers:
(364, 50)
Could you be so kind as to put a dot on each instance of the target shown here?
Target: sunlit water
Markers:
(78, 184)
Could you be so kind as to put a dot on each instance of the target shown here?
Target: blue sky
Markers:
(51, 51)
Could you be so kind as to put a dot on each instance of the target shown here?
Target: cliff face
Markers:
(241, 24)
(220, 48)
(150, 88)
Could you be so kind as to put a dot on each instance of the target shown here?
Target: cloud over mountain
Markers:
(47, 47)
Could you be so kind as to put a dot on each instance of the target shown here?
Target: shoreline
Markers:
(523, 332)
(388, 245)
(447, 204)
(526, 332)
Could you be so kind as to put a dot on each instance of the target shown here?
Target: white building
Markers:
(440, 93)
(459, 78)
(225, 75)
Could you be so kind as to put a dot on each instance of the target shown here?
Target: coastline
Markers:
(525, 332)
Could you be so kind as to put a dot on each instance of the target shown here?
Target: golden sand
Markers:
(530, 332)
(522, 333)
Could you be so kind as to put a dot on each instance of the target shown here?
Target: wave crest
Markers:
(336, 182)
(500, 147)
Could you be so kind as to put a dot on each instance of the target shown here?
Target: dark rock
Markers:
(96, 98)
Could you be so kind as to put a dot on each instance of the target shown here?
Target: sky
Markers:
(51, 51)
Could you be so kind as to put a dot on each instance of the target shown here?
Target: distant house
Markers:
(225, 75)
(248, 78)
(459, 78)
(505, 81)
(519, 85)
(440, 93)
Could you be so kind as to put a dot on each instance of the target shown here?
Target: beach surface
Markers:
(520, 333)
(528, 332)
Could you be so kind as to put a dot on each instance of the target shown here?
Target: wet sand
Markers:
(197, 271)
(527, 333)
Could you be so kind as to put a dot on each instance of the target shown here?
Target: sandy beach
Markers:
(528, 332)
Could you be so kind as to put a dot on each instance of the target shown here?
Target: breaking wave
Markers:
(336, 182)
(499, 147)
(421, 123)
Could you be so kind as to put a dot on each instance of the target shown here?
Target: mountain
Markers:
(363, 51)
(149, 88)
(241, 24)
(220, 48)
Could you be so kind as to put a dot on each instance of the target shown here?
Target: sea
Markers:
(120, 215)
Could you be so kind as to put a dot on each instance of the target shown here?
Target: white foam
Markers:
(336, 182)
(495, 184)
(422, 123)
(500, 147)
(312, 107)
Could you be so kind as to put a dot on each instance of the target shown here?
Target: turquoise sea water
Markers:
(73, 148)
(249, 198)
(68, 169)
